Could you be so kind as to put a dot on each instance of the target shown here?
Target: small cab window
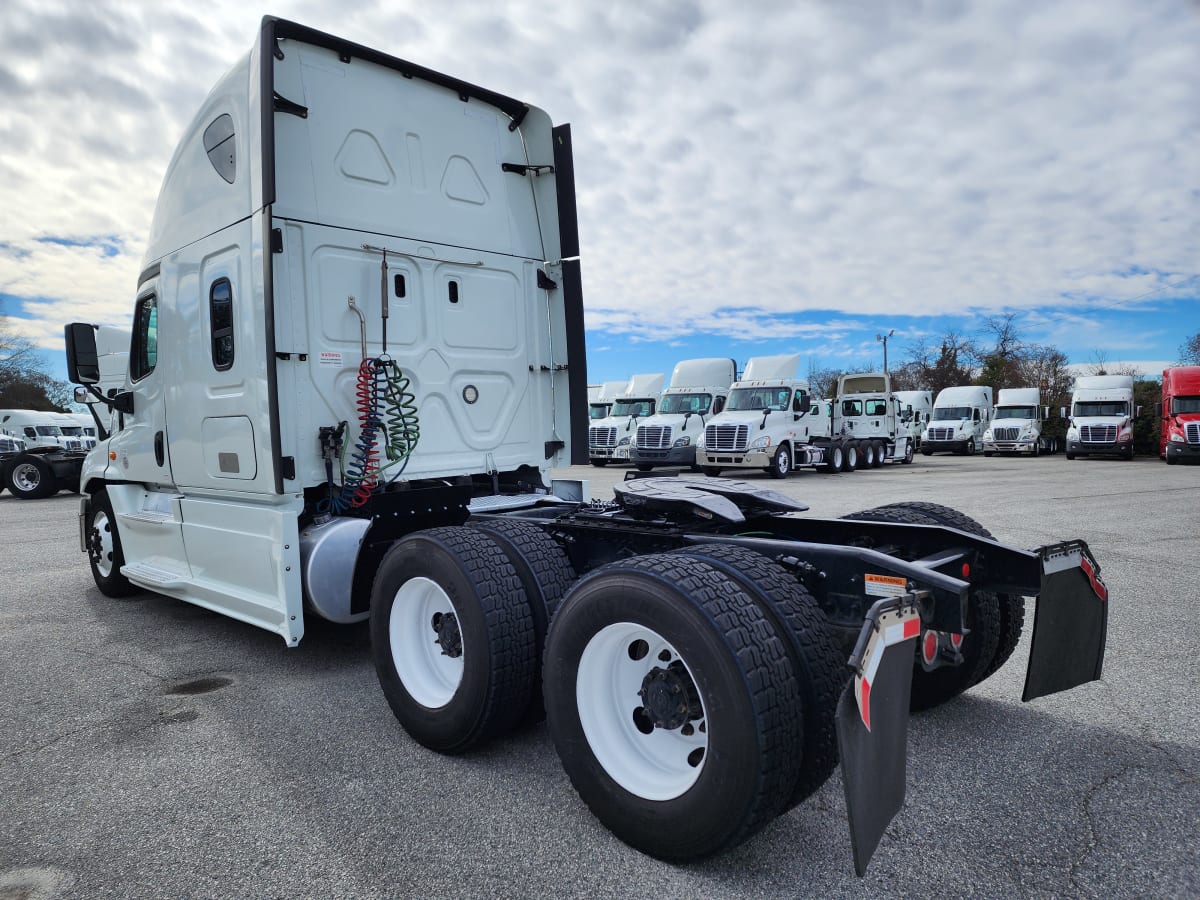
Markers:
(876, 408)
(220, 309)
(143, 354)
(851, 407)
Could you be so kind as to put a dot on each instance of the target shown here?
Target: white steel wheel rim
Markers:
(654, 766)
(102, 536)
(26, 476)
(429, 675)
(783, 461)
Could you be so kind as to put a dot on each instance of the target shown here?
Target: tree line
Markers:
(25, 382)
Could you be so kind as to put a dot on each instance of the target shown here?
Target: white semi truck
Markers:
(49, 461)
(1101, 421)
(867, 415)
(1017, 423)
(771, 423)
(961, 415)
(280, 452)
(765, 424)
(606, 394)
(697, 392)
(915, 409)
(611, 439)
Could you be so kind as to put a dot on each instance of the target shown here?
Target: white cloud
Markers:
(735, 164)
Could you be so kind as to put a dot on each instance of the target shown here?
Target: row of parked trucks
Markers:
(707, 420)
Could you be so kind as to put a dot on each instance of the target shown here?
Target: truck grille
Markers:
(72, 445)
(1192, 432)
(1005, 434)
(1098, 434)
(654, 437)
(724, 438)
(941, 434)
(601, 438)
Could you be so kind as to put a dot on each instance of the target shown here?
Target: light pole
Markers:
(884, 338)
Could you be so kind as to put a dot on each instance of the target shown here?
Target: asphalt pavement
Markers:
(154, 749)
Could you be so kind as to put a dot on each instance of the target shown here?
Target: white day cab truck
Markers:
(611, 439)
(961, 416)
(600, 403)
(770, 423)
(357, 354)
(1101, 422)
(697, 392)
(915, 409)
(1017, 422)
(49, 460)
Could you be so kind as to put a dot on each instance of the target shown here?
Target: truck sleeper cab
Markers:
(961, 416)
(1179, 437)
(1101, 421)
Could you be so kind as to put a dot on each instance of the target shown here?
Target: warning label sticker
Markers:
(885, 585)
(328, 358)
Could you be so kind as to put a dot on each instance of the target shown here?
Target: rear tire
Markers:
(31, 478)
(816, 659)
(1012, 607)
(834, 458)
(866, 456)
(850, 457)
(880, 455)
(545, 574)
(930, 689)
(670, 699)
(453, 638)
(105, 555)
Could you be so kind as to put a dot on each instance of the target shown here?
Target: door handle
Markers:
(160, 453)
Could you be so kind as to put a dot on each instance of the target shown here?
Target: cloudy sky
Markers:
(753, 178)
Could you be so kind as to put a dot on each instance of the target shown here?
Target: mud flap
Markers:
(1070, 623)
(872, 723)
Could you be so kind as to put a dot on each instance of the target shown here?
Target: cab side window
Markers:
(143, 354)
(876, 408)
(220, 309)
(851, 407)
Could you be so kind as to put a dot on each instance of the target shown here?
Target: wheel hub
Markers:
(449, 637)
(669, 697)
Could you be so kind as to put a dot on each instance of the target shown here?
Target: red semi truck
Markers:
(1180, 436)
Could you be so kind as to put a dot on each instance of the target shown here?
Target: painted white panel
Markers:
(399, 156)
(228, 443)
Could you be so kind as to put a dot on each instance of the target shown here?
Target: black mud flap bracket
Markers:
(1070, 623)
(872, 721)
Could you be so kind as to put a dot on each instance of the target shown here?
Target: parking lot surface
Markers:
(152, 748)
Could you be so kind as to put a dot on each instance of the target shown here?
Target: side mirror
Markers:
(83, 395)
(805, 403)
(83, 365)
(1062, 412)
(1045, 412)
(1139, 411)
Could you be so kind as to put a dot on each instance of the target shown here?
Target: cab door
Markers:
(141, 449)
